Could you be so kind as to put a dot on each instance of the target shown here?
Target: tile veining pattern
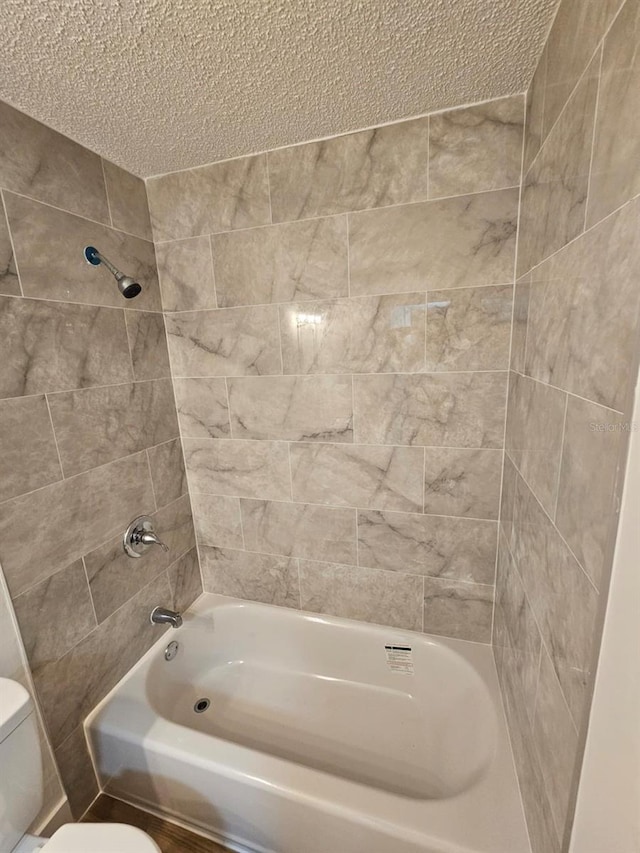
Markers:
(339, 318)
(573, 361)
(89, 433)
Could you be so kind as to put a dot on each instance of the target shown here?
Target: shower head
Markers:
(126, 285)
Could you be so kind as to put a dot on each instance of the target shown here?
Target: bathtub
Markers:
(277, 730)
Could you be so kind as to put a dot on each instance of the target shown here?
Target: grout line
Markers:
(266, 156)
(299, 584)
(290, 476)
(213, 276)
(55, 441)
(546, 384)
(228, 398)
(560, 462)
(102, 305)
(282, 373)
(93, 604)
(153, 488)
(106, 191)
(347, 218)
(13, 248)
(593, 135)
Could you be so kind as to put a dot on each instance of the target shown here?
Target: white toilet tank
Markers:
(20, 763)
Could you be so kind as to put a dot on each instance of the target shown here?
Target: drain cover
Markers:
(201, 706)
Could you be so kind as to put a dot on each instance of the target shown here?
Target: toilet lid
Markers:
(100, 838)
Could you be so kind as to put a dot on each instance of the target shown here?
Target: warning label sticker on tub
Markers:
(400, 659)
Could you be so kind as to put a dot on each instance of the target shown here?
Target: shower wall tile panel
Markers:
(128, 205)
(9, 283)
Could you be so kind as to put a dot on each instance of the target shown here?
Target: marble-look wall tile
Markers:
(168, 475)
(245, 469)
(615, 177)
(359, 476)
(507, 499)
(462, 482)
(230, 342)
(203, 407)
(9, 283)
(458, 609)
(76, 769)
(185, 270)
(282, 263)
(447, 409)
(218, 521)
(458, 548)
(534, 113)
(300, 530)
(218, 197)
(28, 455)
(97, 425)
(65, 274)
(54, 615)
(457, 242)
(568, 342)
(86, 508)
(476, 148)
(469, 328)
(186, 580)
(90, 345)
(372, 168)
(554, 195)
(535, 424)
(292, 408)
(370, 334)
(368, 595)
(148, 345)
(586, 491)
(256, 577)
(520, 321)
(41, 163)
(127, 201)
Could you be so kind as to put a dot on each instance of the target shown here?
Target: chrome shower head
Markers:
(126, 285)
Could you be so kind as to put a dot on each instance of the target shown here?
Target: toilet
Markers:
(21, 791)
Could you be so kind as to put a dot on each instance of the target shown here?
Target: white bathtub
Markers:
(314, 741)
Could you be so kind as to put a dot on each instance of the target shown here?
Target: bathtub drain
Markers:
(201, 706)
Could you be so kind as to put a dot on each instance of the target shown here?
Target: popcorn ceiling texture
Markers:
(160, 85)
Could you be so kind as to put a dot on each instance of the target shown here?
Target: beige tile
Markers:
(372, 168)
(76, 769)
(169, 478)
(447, 409)
(41, 163)
(185, 269)
(507, 499)
(476, 148)
(97, 425)
(218, 521)
(615, 177)
(469, 328)
(127, 201)
(246, 469)
(292, 408)
(534, 112)
(186, 580)
(458, 548)
(358, 476)
(9, 283)
(256, 577)
(462, 482)
(90, 346)
(203, 407)
(458, 242)
(300, 530)
(28, 455)
(148, 345)
(219, 197)
(65, 274)
(282, 263)
(368, 595)
(230, 342)
(458, 609)
(70, 514)
(520, 322)
(370, 334)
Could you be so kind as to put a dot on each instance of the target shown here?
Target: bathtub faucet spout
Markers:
(163, 616)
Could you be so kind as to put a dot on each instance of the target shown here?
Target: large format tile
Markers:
(185, 270)
(256, 577)
(9, 283)
(97, 425)
(229, 342)
(476, 148)
(368, 595)
(203, 407)
(372, 168)
(90, 346)
(300, 530)
(148, 344)
(370, 334)
(458, 242)
(127, 201)
(169, 478)
(246, 469)
(28, 455)
(292, 408)
(282, 263)
(219, 197)
(462, 482)
(186, 580)
(218, 521)
(520, 319)
(359, 476)
(76, 770)
(65, 274)
(458, 548)
(446, 409)
(458, 609)
(534, 112)
(48, 529)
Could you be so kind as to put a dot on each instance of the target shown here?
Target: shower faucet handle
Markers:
(150, 538)
(139, 537)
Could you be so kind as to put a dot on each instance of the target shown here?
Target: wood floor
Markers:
(169, 837)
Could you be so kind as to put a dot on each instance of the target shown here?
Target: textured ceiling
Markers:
(158, 85)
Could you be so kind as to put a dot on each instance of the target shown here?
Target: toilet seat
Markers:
(100, 838)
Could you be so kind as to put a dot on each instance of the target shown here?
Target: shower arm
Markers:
(101, 259)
